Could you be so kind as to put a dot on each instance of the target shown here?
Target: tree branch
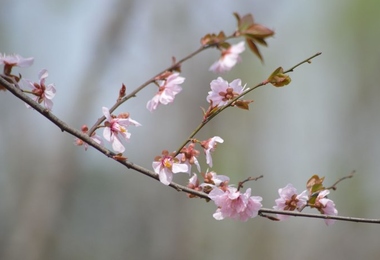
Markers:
(64, 127)
(308, 215)
(15, 90)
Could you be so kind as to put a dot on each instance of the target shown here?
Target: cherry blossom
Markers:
(41, 92)
(193, 181)
(10, 61)
(289, 200)
(166, 166)
(233, 204)
(194, 185)
(215, 180)
(230, 57)
(223, 92)
(94, 137)
(326, 206)
(189, 155)
(116, 129)
(209, 146)
(166, 92)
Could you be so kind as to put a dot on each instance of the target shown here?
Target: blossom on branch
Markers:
(10, 61)
(166, 92)
(215, 180)
(209, 146)
(289, 200)
(188, 156)
(167, 165)
(116, 129)
(326, 206)
(233, 204)
(94, 137)
(223, 92)
(230, 57)
(42, 92)
(194, 185)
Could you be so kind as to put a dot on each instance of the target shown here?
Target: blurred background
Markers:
(59, 202)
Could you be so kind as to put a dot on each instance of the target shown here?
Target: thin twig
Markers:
(240, 184)
(151, 80)
(308, 215)
(333, 187)
(229, 104)
(308, 60)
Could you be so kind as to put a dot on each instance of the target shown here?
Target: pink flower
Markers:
(80, 142)
(289, 200)
(188, 156)
(15, 60)
(166, 92)
(194, 185)
(166, 166)
(233, 204)
(94, 137)
(209, 146)
(215, 180)
(116, 128)
(228, 59)
(223, 92)
(193, 181)
(41, 92)
(326, 206)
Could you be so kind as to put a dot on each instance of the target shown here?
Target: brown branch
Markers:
(240, 184)
(308, 215)
(15, 90)
(64, 127)
(308, 60)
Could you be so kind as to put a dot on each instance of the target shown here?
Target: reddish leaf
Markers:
(254, 48)
(259, 31)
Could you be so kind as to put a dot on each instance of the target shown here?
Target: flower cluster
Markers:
(233, 204)
(289, 201)
(168, 164)
(230, 201)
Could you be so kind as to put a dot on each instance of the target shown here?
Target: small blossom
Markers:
(215, 179)
(166, 166)
(289, 200)
(230, 57)
(194, 185)
(326, 206)
(233, 204)
(189, 155)
(223, 92)
(166, 92)
(94, 137)
(193, 181)
(209, 146)
(10, 61)
(41, 92)
(116, 129)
